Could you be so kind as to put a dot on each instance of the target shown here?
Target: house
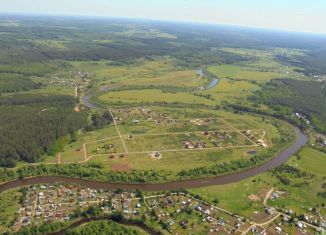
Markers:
(278, 229)
(200, 144)
(275, 195)
(261, 143)
(209, 219)
(268, 211)
(170, 222)
(300, 225)
(323, 225)
(248, 132)
(183, 223)
(188, 145)
(289, 212)
(157, 154)
(26, 221)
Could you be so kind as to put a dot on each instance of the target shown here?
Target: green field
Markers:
(9, 203)
(166, 134)
(139, 101)
(152, 96)
(234, 197)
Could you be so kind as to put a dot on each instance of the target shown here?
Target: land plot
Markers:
(105, 147)
(173, 126)
(184, 141)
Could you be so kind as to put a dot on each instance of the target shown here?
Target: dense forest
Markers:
(313, 63)
(30, 125)
(40, 40)
(14, 83)
(305, 97)
(104, 227)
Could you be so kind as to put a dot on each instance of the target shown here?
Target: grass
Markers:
(234, 197)
(160, 71)
(186, 160)
(152, 96)
(310, 160)
(236, 84)
(9, 204)
(73, 152)
(92, 147)
(237, 72)
(148, 136)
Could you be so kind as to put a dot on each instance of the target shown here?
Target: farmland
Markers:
(236, 197)
(166, 113)
(150, 142)
(128, 102)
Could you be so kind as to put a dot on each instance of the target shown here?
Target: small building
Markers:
(135, 121)
(188, 145)
(278, 229)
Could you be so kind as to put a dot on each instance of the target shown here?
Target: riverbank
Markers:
(300, 141)
(84, 221)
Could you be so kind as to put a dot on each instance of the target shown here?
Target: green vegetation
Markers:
(38, 230)
(152, 96)
(105, 227)
(88, 171)
(305, 97)
(32, 123)
(187, 101)
(301, 178)
(9, 202)
(15, 83)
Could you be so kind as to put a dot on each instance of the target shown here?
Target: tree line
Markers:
(30, 125)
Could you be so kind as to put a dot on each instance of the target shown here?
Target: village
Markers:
(50, 203)
(141, 130)
(178, 212)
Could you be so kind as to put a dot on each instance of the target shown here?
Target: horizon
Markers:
(214, 24)
(292, 16)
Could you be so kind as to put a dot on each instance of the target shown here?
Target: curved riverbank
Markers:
(87, 220)
(300, 141)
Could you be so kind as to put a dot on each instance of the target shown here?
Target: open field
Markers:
(152, 96)
(235, 196)
(156, 139)
(158, 72)
(74, 152)
(176, 161)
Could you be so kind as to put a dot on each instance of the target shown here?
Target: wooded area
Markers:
(305, 97)
(30, 125)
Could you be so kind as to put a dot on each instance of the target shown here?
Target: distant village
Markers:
(178, 213)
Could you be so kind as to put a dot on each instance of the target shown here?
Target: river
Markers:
(86, 101)
(301, 140)
(212, 83)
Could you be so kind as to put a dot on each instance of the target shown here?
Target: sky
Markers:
(294, 15)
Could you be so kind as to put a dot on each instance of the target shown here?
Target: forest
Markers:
(104, 227)
(30, 125)
(15, 83)
(305, 97)
(45, 41)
